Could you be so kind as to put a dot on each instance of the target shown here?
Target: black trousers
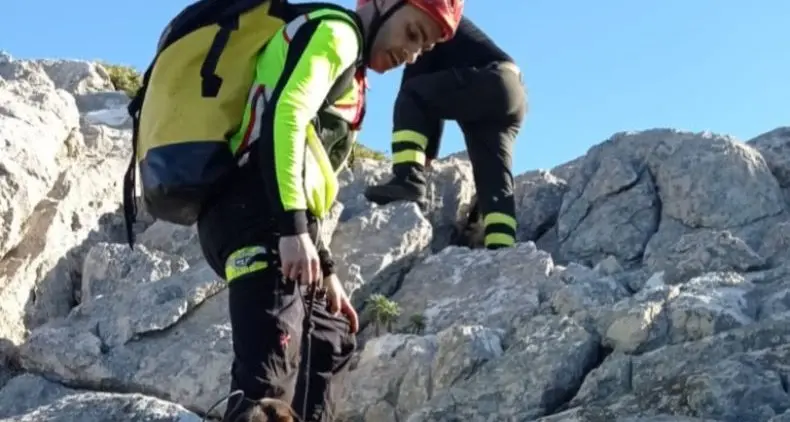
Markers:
(268, 313)
(489, 105)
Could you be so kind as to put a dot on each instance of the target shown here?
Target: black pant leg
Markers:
(331, 348)
(434, 142)
(490, 151)
(266, 314)
(490, 139)
(413, 127)
(489, 104)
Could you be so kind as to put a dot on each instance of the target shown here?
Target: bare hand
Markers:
(338, 301)
(299, 259)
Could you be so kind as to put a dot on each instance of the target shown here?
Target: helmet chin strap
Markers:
(375, 26)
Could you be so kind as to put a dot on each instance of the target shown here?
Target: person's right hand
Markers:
(299, 259)
(339, 303)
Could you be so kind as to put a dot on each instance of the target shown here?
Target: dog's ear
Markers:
(278, 410)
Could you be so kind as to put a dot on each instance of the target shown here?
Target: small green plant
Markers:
(385, 312)
(417, 324)
(124, 78)
(361, 151)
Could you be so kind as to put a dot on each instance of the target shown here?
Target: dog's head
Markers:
(270, 410)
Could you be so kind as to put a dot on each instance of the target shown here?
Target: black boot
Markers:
(408, 184)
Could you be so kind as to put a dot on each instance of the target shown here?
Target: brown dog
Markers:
(269, 410)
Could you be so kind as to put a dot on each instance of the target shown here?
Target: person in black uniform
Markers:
(468, 79)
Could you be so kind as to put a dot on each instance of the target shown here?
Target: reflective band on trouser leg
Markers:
(408, 146)
(245, 261)
(500, 229)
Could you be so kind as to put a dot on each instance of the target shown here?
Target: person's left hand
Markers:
(338, 302)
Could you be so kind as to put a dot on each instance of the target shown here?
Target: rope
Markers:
(218, 402)
(308, 334)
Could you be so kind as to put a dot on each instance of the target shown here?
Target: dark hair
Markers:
(269, 410)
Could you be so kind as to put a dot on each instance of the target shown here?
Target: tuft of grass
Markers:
(361, 151)
(124, 78)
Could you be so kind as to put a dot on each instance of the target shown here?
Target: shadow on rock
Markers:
(56, 280)
(8, 365)
(58, 290)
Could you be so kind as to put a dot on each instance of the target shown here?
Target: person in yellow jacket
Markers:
(260, 231)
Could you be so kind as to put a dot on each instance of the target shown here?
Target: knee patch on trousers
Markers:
(500, 230)
(245, 261)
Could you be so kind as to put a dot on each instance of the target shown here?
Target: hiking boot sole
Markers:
(380, 199)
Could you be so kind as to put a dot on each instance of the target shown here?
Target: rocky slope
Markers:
(650, 283)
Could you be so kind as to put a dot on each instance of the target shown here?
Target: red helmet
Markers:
(447, 13)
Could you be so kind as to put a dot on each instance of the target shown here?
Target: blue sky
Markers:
(592, 68)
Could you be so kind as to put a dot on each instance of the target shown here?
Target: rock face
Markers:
(650, 281)
(29, 398)
(59, 187)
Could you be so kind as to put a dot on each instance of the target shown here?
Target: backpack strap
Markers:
(130, 177)
(349, 75)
